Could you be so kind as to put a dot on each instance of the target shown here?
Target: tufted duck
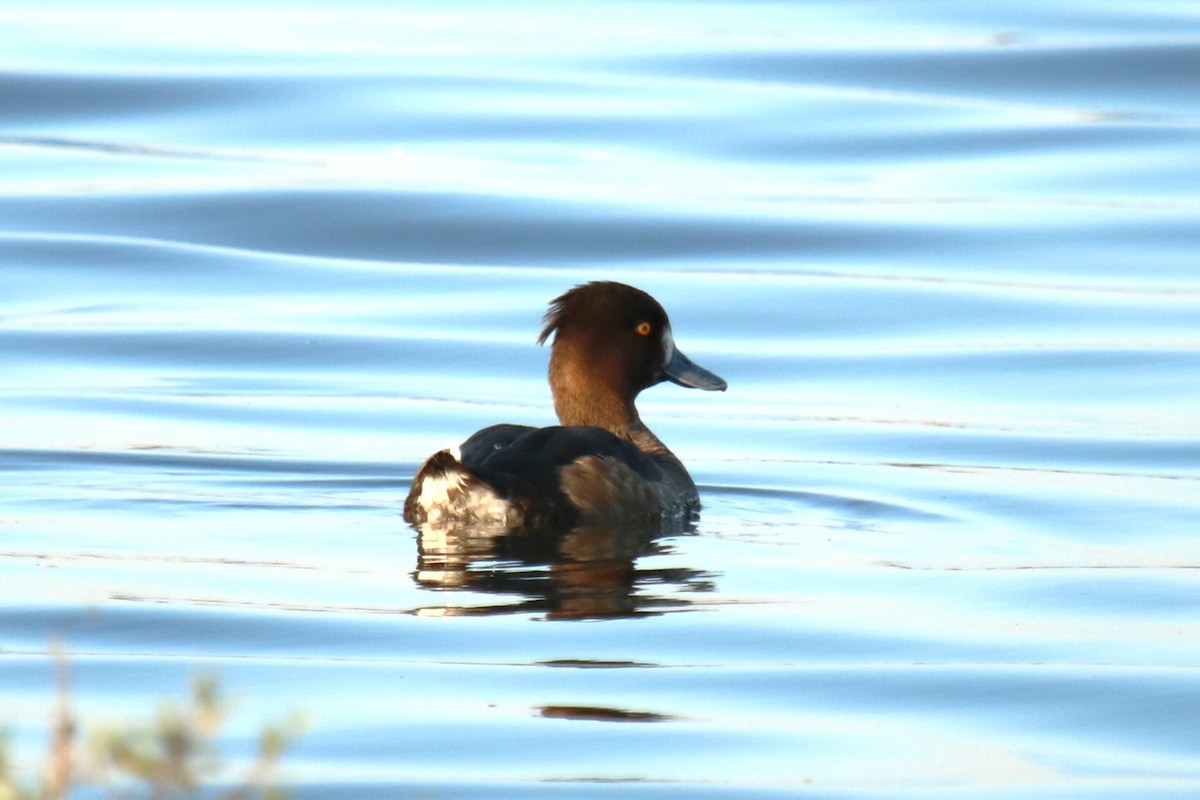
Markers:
(602, 463)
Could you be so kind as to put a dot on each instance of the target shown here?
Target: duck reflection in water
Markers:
(599, 484)
(589, 571)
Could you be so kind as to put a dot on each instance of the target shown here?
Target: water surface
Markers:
(259, 261)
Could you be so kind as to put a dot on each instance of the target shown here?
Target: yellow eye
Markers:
(644, 328)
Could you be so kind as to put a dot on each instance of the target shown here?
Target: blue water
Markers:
(260, 260)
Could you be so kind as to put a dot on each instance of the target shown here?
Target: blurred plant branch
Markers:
(171, 757)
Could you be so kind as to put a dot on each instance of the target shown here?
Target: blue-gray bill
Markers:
(685, 372)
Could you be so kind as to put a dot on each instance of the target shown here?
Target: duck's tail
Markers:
(446, 491)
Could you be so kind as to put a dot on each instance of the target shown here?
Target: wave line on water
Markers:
(46, 556)
(63, 143)
(1159, 567)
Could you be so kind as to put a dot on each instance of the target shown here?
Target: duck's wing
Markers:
(517, 452)
(565, 472)
(535, 476)
(491, 440)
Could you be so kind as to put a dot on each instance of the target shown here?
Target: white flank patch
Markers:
(454, 496)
